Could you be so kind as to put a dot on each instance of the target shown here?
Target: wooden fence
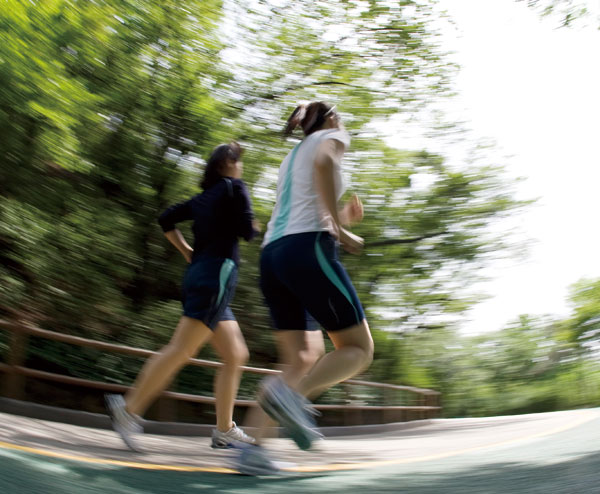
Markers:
(425, 404)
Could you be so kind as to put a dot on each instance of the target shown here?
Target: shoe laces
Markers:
(236, 433)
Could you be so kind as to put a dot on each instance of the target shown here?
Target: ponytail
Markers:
(310, 117)
(295, 119)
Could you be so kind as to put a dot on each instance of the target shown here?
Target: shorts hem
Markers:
(212, 324)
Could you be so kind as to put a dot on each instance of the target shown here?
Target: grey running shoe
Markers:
(293, 412)
(253, 460)
(229, 439)
(123, 422)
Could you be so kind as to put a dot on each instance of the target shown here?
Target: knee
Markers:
(368, 351)
(364, 342)
(317, 353)
(307, 358)
(363, 353)
(236, 356)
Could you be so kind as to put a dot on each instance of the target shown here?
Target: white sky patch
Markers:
(422, 181)
(534, 89)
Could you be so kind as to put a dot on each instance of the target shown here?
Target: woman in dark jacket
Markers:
(221, 214)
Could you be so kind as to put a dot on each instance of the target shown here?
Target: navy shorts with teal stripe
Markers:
(304, 283)
(208, 287)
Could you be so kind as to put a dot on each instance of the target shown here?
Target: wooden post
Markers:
(14, 383)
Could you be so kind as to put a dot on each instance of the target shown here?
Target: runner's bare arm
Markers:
(176, 238)
(328, 153)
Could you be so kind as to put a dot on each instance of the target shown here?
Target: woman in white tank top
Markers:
(304, 283)
(298, 208)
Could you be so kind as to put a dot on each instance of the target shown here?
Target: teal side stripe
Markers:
(286, 200)
(224, 274)
(332, 275)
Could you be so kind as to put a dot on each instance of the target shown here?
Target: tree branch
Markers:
(410, 240)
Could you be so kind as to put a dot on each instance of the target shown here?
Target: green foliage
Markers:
(585, 323)
(106, 110)
(568, 12)
(529, 366)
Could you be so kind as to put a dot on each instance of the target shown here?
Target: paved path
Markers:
(546, 453)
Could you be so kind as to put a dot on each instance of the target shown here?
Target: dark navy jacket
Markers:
(221, 214)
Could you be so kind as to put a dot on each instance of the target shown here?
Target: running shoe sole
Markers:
(220, 444)
(254, 463)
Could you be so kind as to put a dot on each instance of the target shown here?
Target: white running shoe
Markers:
(123, 422)
(254, 460)
(223, 440)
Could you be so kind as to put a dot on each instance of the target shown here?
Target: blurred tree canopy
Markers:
(585, 322)
(568, 12)
(108, 109)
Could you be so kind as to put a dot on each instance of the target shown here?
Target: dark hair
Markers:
(310, 117)
(218, 159)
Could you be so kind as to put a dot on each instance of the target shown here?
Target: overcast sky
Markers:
(535, 90)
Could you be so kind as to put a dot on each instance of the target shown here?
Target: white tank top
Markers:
(298, 208)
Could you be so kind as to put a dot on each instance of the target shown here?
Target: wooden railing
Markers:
(427, 401)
